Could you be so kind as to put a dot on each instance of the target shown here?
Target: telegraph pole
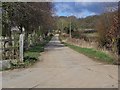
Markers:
(62, 28)
(70, 28)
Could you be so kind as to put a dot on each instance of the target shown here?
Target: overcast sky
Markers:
(81, 9)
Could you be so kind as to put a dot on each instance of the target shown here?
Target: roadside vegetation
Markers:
(100, 32)
(34, 21)
(32, 55)
(93, 53)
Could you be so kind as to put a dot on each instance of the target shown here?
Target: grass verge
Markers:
(31, 56)
(92, 53)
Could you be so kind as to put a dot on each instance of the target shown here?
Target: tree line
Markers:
(37, 18)
(106, 25)
(34, 17)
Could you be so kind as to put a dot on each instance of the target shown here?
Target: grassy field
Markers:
(92, 53)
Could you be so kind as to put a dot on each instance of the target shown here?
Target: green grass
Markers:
(92, 53)
(31, 56)
(34, 52)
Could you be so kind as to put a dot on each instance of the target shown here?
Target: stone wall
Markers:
(8, 52)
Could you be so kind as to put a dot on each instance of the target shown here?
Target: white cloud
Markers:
(81, 9)
(83, 14)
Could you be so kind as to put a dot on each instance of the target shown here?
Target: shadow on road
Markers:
(54, 44)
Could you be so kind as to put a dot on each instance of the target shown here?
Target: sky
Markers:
(82, 9)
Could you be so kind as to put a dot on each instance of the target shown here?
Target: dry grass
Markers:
(85, 44)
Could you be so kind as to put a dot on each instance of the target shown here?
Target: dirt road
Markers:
(61, 67)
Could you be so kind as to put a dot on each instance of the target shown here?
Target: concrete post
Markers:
(21, 46)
